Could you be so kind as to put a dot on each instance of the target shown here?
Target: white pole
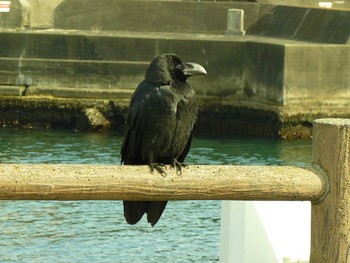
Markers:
(264, 232)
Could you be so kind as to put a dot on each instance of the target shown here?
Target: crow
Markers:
(160, 123)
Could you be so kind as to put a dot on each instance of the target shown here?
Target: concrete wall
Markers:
(307, 3)
(304, 24)
(297, 23)
(317, 75)
(42, 12)
(248, 68)
(239, 68)
(263, 72)
(272, 81)
(29, 13)
(18, 17)
(119, 62)
(156, 16)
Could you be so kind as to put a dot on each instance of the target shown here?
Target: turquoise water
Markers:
(95, 231)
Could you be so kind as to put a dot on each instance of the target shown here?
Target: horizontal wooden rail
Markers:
(121, 182)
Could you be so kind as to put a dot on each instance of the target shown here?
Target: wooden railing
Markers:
(326, 185)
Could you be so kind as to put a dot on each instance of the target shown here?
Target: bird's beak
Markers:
(192, 69)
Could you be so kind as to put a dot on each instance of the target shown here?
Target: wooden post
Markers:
(330, 227)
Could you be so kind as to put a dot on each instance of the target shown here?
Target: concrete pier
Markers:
(290, 68)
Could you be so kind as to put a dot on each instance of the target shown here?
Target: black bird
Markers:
(161, 118)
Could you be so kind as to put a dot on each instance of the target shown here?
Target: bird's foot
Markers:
(178, 166)
(159, 167)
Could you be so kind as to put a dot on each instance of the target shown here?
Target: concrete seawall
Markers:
(267, 82)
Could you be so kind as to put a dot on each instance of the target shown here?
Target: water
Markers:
(95, 231)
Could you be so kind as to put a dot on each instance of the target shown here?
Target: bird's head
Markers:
(167, 68)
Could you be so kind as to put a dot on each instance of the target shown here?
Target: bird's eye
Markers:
(179, 66)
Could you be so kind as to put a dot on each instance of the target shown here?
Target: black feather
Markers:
(161, 119)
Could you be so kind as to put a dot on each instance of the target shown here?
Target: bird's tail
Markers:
(134, 210)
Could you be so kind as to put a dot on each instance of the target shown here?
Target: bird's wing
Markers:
(140, 113)
(133, 137)
(143, 105)
(184, 153)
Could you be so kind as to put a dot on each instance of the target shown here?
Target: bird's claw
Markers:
(178, 166)
(159, 167)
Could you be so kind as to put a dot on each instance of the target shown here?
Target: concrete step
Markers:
(75, 45)
(289, 22)
(249, 68)
(195, 17)
(63, 92)
(90, 60)
(93, 74)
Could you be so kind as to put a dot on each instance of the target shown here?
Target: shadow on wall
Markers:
(304, 24)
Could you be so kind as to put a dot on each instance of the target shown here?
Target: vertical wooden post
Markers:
(330, 226)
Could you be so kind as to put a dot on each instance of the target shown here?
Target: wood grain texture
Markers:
(330, 228)
(198, 182)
